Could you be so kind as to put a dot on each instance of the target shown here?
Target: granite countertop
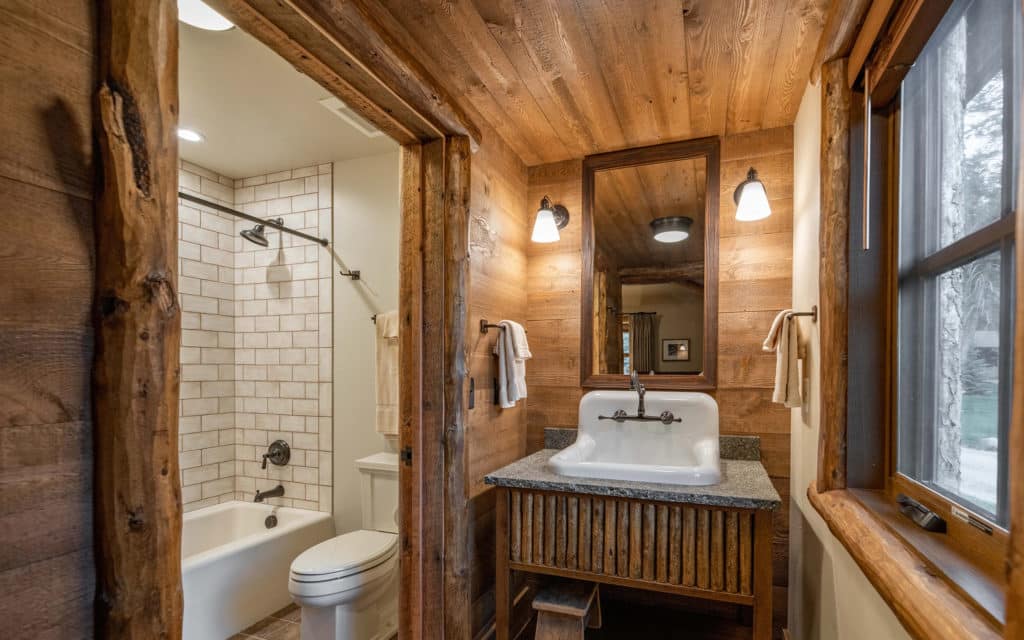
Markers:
(744, 484)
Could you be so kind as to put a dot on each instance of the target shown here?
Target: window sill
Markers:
(923, 601)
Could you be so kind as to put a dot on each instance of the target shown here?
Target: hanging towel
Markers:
(513, 351)
(784, 338)
(387, 373)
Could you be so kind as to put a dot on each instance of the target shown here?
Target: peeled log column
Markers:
(138, 324)
(834, 240)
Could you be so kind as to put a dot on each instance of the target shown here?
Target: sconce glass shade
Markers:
(671, 229)
(550, 218)
(751, 199)
(198, 14)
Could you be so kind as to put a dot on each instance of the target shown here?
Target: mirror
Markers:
(650, 262)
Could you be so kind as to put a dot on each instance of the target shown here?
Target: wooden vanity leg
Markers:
(762, 574)
(501, 573)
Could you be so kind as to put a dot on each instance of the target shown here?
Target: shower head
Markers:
(255, 235)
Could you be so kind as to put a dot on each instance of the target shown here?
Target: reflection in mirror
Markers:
(649, 225)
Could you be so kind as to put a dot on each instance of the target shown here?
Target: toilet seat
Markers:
(343, 563)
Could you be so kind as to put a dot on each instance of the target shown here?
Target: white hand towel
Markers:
(513, 351)
(506, 369)
(784, 338)
(521, 349)
(387, 373)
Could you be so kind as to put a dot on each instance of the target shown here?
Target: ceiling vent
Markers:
(342, 110)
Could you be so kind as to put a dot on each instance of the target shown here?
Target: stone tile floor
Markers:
(282, 625)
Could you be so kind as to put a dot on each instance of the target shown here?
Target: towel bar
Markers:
(484, 326)
(813, 313)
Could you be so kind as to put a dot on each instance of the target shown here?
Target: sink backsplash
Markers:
(730, 447)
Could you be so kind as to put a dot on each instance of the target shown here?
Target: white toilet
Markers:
(348, 586)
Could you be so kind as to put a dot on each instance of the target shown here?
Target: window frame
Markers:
(971, 560)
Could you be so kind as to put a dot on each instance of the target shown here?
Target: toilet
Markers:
(348, 586)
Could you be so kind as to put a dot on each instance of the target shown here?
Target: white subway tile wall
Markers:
(256, 339)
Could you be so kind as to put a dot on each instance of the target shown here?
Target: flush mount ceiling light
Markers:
(190, 134)
(671, 228)
(550, 218)
(201, 16)
(751, 199)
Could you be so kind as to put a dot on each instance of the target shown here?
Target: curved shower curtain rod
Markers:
(245, 216)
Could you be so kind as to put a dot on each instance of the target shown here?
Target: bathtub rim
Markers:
(306, 517)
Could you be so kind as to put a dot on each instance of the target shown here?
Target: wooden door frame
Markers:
(142, 598)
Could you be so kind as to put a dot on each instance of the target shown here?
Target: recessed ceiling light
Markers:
(198, 14)
(190, 135)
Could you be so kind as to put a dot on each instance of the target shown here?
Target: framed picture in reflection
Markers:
(675, 349)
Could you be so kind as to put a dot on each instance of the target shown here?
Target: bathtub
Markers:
(235, 570)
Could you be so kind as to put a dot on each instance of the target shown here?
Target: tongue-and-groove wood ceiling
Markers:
(561, 79)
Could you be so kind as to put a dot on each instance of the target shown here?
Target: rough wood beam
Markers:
(834, 267)
(841, 27)
(292, 38)
(457, 531)
(688, 271)
(138, 324)
(369, 58)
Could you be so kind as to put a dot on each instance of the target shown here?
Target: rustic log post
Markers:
(138, 324)
(457, 601)
(834, 241)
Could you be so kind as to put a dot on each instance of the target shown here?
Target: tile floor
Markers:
(283, 625)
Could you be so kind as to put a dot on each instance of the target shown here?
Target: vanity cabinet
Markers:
(672, 540)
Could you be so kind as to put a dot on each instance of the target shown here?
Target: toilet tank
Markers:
(379, 489)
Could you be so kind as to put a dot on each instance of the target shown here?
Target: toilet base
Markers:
(371, 615)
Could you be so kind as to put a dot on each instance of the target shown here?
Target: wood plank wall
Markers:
(498, 235)
(47, 71)
(755, 282)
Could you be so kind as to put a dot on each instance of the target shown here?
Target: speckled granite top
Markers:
(744, 484)
(729, 447)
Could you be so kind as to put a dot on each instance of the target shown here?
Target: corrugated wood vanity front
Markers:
(704, 542)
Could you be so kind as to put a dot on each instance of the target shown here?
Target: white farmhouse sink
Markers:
(678, 453)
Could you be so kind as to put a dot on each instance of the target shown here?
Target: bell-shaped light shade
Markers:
(544, 227)
(752, 199)
(198, 14)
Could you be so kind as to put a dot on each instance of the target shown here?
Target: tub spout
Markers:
(276, 492)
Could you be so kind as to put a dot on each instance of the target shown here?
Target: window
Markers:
(957, 173)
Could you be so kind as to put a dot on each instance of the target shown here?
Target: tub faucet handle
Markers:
(279, 453)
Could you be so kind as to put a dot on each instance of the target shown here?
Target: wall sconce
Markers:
(550, 218)
(671, 228)
(751, 199)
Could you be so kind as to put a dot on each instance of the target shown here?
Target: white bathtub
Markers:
(235, 570)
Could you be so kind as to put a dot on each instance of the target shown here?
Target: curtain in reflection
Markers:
(642, 338)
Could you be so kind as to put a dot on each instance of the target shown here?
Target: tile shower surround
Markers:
(256, 339)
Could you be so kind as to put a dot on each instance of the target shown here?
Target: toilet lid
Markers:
(344, 555)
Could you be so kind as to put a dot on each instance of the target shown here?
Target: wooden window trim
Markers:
(923, 601)
(971, 561)
(930, 596)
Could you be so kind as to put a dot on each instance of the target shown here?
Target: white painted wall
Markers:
(366, 237)
(829, 596)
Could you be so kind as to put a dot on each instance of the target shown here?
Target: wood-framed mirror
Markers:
(650, 266)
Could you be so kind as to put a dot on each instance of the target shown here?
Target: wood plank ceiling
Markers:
(560, 79)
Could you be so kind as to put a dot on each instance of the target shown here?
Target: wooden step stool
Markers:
(565, 609)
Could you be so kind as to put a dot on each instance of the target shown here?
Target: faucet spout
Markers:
(636, 385)
(276, 492)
